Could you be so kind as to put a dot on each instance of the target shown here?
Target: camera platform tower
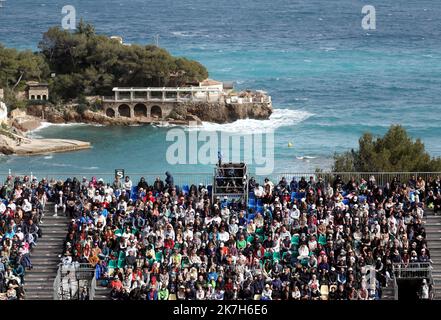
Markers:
(231, 181)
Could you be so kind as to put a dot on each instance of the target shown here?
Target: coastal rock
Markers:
(6, 145)
(25, 124)
(94, 117)
(182, 113)
(36, 110)
(22, 121)
(17, 113)
(55, 118)
(72, 116)
(225, 113)
(13, 142)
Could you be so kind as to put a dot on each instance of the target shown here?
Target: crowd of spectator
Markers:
(303, 239)
(22, 203)
(298, 240)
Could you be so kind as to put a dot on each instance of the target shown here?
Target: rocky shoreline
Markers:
(14, 140)
(182, 114)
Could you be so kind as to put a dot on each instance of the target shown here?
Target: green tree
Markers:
(92, 64)
(18, 67)
(395, 151)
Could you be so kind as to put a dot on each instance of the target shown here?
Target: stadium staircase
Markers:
(39, 282)
(388, 293)
(102, 293)
(433, 235)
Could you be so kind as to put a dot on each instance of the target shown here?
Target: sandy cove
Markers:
(13, 140)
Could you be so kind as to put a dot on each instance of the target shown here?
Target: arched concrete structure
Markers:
(140, 110)
(156, 112)
(124, 110)
(110, 112)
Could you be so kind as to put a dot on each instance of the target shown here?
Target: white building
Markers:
(3, 112)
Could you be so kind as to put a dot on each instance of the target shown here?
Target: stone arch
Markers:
(140, 110)
(44, 97)
(124, 111)
(32, 97)
(38, 97)
(156, 112)
(110, 112)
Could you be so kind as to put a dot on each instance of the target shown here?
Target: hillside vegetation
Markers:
(83, 63)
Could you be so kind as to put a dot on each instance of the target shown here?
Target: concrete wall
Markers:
(138, 109)
(34, 93)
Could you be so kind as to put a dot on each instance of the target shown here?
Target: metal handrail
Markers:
(395, 288)
(57, 282)
(92, 288)
(84, 272)
(380, 177)
(413, 270)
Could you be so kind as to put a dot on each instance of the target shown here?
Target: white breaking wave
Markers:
(44, 125)
(279, 118)
(327, 49)
(305, 157)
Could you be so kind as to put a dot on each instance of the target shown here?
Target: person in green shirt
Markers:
(163, 292)
(241, 242)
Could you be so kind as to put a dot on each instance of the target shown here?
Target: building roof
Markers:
(228, 85)
(210, 82)
(36, 84)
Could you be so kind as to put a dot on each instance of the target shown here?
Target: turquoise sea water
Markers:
(330, 80)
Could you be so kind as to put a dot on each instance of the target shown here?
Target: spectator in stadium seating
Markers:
(309, 240)
(22, 202)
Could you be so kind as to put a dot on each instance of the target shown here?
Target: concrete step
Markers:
(52, 232)
(49, 270)
(49, 216)
(35, 291)
(39, 297)
(45, 251)
(55, 224)
(29, 287)
(44, 255)
(102, 293)
(435, 245)
(46, 260)
(42, 280)
(52, 238)
(435, 253)
(49, 246)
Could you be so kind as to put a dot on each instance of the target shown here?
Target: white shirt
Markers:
(258, 191)
(2, 207)
(295, 214)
